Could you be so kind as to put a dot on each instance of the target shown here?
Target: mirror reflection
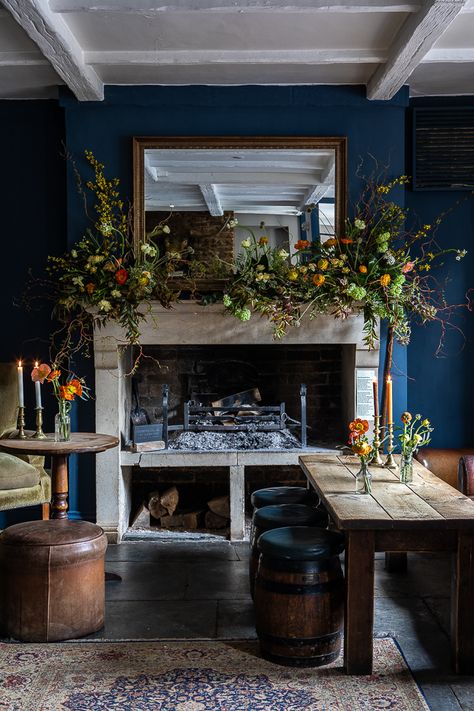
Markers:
(211, 199)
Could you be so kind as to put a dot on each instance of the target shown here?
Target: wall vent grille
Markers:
(443, 156)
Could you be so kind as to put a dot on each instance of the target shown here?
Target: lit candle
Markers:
(21, 396)
(375, 386)
(38, 390)
(389, 401)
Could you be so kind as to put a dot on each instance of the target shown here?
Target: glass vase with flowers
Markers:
(415, 433)
(65, 388)
(360, 446)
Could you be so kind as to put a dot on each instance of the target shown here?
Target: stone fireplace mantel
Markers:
(188, 323)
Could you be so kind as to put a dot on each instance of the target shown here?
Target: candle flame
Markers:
(19, 363)
(36, 364)
(389, 378)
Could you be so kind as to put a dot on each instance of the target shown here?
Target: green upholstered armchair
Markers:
(23, 479)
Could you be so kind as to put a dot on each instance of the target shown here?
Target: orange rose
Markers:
(302, 244)
(330, 242)
(263, 241)
(90, 288)
(363, 269)
(385, 279)
(346, 240)
(362, 449)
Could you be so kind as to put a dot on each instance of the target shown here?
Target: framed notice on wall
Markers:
(365, 393)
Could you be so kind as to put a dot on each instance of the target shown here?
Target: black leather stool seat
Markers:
(282, 495)
(283, 515)
(300, 543)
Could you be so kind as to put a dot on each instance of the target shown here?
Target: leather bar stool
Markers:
(278, 516)
(52, 580)
(299, 595)
(283, 495)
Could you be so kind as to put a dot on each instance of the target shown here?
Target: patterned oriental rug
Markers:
(193, 676)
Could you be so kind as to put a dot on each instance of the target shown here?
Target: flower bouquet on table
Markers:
(66, 387)
(360, 446)
(415, 433)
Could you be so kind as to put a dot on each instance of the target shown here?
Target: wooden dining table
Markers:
(424, 515)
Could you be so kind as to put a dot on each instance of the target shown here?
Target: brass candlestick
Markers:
(376, 458)
(39, 434)
(20, 424)
(390, 462)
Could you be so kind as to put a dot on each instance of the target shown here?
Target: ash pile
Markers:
(212, 441)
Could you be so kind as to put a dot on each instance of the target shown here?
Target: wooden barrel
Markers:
(270, 517)
(299, 596)
(52, 583)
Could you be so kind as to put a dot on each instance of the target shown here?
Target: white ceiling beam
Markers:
(449, 55)
(211, 198)
(314, 195)
(152, 7)
(416, 37)
(235, 178)
(58, 44)
(242, 57)
(22, 59)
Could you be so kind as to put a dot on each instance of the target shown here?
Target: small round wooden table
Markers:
(80, 443)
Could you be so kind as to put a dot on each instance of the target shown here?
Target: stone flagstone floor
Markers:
(186, 590)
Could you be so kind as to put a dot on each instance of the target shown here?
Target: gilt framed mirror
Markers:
(212, 192)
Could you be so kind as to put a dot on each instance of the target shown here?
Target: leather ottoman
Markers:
(52, 583)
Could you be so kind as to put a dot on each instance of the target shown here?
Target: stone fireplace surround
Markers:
(191, 324)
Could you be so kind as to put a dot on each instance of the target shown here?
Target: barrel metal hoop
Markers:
(299, 641)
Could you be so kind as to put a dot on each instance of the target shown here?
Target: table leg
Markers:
(359, 615)
(59, 486)
(462, 596)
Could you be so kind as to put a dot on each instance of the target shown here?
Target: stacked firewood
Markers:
(162, 509)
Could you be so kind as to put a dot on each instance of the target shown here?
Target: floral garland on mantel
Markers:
(376, 268)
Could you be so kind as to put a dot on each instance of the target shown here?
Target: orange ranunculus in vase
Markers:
(65, 394)
(360, 446)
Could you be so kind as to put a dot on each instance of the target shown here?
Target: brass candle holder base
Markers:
(39, 434)
(390, 462)
(20, 424)
(376, 458)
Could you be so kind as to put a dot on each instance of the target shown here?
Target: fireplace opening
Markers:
(205, 375)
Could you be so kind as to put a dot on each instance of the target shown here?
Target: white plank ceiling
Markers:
(384, 44)
(251, 181)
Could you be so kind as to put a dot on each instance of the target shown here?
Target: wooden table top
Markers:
(80, 442)
(427, 502)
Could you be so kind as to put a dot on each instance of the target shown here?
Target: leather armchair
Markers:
(23, 479)
(454, 466)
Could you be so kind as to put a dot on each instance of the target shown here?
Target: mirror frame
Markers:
(142, 143)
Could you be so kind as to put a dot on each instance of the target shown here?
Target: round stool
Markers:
(52, 583)
(299, 596)
(277, 516)
(283, 495)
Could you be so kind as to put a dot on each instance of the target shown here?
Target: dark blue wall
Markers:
(33, 189)
(373, 128)
(443, 387)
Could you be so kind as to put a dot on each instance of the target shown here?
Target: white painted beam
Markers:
(416, 37)
(243, 57)
(22, 59)
(209, 193)
(314, 195)
(460, 56)
(236, 178)
(150, 7)
(58, 44)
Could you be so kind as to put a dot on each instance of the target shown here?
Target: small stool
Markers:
(283, 495)
(278, 516)
(299, 596)
(52, 583)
